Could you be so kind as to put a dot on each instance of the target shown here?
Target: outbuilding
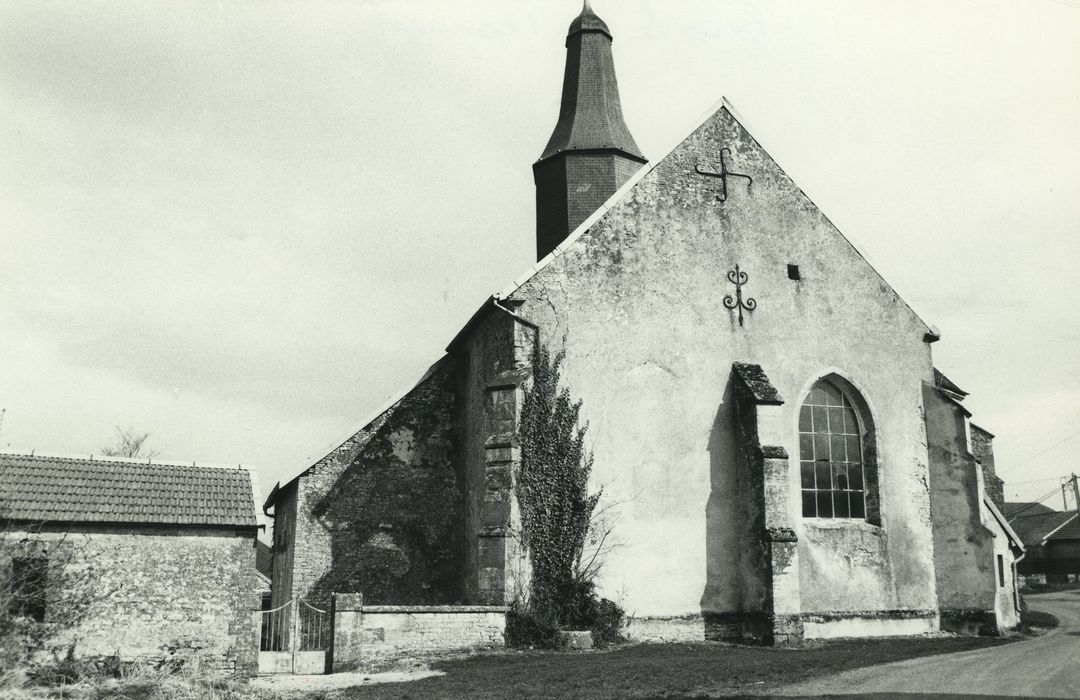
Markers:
(132, 559)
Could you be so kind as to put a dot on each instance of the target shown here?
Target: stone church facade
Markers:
(754, 391)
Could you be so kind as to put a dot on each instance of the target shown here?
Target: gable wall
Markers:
(649, 347)
(382, 514)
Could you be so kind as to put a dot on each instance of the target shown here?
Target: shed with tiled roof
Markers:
(147, 560)
(76, 489)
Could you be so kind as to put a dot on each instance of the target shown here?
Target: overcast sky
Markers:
(243, 226)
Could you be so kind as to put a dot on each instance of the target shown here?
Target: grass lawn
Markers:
(651, 670)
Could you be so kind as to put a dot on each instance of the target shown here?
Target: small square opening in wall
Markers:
(793, 272)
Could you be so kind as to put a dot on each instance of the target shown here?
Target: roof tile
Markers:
(94, 490)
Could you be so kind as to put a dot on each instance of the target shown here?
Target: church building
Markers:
(757, 401)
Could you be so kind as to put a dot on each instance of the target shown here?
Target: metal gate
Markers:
(294, 638)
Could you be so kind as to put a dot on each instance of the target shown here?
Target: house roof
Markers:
(1069, 531)
(1034, 522)
(77, 489)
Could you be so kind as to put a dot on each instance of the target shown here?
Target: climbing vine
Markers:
(556, 507)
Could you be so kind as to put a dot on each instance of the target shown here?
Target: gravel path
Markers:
(1047, 666)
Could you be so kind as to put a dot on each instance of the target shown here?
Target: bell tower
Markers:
(591, 152)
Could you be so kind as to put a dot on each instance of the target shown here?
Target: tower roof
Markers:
(587, 21)
(590, 117)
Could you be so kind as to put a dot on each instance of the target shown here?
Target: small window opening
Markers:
(1001, 571)
(793, 272)
(29, 588)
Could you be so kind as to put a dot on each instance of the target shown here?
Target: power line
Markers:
(1052, 492)
(1032, 481)
(1039, 454)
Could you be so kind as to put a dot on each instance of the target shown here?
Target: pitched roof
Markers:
(71, 489)
(1034, 522)
(1068, 531)
(1016, 507)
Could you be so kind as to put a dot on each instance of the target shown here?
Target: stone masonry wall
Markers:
(495, 360)
(151, 593)
(371, 637)
(982, 446)
(383, 514)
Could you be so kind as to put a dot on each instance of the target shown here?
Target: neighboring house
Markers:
(1052, 539)
(134, 559)
(754, 393)
(975, 550)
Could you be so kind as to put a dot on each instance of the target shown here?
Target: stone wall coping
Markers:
(442, 609)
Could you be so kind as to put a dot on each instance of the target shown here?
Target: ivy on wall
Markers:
(552, 491)
(395, 513)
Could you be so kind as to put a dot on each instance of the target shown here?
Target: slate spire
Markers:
(590, 153)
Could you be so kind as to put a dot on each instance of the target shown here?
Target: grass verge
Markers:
(656, 670)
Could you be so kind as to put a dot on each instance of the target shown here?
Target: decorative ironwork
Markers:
(723, 175)
(738, 278)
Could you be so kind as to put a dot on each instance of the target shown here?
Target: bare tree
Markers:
(129, 444)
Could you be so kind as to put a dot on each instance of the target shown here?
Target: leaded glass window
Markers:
(831, 455)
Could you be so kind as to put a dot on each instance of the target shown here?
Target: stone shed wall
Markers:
(150, 593)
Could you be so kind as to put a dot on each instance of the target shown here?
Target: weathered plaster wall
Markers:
(151, 592)
(383, 515)
(1006, 599)
(963, 547)
(637, 304)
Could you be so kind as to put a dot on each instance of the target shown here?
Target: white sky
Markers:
(242, 226)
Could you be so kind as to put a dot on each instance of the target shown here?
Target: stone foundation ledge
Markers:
(433, 609)
(667, 628)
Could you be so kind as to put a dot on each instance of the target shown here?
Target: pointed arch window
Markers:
(836, 455)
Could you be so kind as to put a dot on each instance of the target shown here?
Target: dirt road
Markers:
(1048, 666)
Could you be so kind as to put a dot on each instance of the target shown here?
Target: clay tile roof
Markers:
(1071, 531)
(68, 489)
(1033, 522)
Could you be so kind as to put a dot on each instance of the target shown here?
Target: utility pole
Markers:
(1076, 494)
(1064, 494)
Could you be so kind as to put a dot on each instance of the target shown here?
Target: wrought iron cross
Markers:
(723, 175)
(738, 278)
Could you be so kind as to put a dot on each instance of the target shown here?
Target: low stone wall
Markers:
(373, 636)
(685, 628)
